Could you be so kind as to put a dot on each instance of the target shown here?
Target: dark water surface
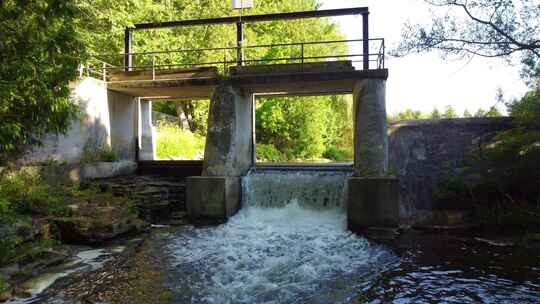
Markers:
(444, 268)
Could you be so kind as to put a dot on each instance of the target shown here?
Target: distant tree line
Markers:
(449, 112)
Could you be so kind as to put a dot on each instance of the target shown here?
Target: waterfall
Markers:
(310, 189)
(288, 244)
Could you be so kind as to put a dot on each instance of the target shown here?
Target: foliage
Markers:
(527, 110)
(408, 114)
(173, 142)
(28, 194)
(435, 114)
(3, 284)
(502, 180)
(39, 54)
(493, 112)
(98, 154)
(480, 113)
(337, 154)
(449, 112)
(269, 153)
(302, 128)
(485, 28)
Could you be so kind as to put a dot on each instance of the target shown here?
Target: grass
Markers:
(175, 143)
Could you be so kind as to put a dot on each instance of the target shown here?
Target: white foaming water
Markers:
(289, 254)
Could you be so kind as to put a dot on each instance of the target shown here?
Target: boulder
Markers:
(91, 223)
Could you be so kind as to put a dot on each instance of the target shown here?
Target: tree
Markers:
(480, 113)
(467, 114)
(39, 55)
(449, 112)
(408, 114)
(483, 28)
(435, 114)
(493, 112)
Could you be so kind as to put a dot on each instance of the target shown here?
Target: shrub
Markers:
(337, 154)
(3, 285)
(100, 154)
(269, 153)
(501, 183)
(173, 142)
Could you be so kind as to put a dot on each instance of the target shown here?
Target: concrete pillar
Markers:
(123, 121)
(147, 133)
(228, 150)
(228, 155)
(370, 128)
(372, 198)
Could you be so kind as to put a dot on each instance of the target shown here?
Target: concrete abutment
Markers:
(228, 156)
(371, 197)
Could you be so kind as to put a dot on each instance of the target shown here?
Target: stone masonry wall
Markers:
(422, 152)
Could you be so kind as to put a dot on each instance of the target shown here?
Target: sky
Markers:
(424, 81)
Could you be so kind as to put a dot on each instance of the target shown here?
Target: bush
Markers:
(269, 153)
(336, 154)
(100, 154)
(28, 194)
(173, 142)
(501, 183)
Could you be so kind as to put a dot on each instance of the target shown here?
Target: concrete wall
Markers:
(123, 109)
(91, 129)
(422, 152)
(147, 132)
(107, 119)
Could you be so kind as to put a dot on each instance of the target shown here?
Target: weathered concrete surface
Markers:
(228, 150)
(372, 202)
(370, 127)
(108, 169)
(123, 114)
(423, 152)
(90, 130)
(147, 133)
(68, 174)
(313, 67)
(212, 197)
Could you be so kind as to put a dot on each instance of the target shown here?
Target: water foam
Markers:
(275, 255)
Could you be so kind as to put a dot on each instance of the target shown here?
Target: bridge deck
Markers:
(287, 79)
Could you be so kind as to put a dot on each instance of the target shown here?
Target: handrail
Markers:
(226, 61)
(236, 47)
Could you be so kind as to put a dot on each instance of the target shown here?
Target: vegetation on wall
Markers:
(501, 181)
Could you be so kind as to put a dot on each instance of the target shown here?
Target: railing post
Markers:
(239, 42)
(302, 53)
(224, 61)
(365, 37)
(104, 71)
(128, 57)
(153, 67)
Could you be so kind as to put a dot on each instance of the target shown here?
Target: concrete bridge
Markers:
(232, 86)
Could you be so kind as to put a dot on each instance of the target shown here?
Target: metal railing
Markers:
(103, 66)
